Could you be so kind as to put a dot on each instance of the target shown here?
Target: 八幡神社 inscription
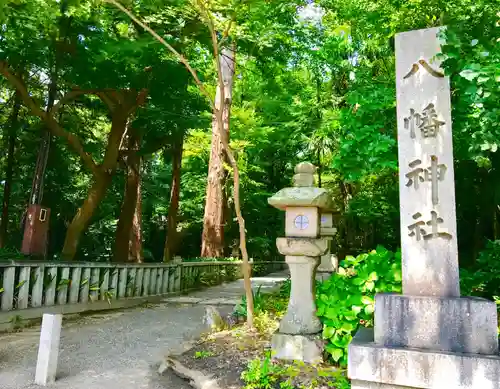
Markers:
(427, 122)
(434, 173)
(417, 230)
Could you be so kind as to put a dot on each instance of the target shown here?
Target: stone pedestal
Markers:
(459, 324)
(372, 366)
(299, 333)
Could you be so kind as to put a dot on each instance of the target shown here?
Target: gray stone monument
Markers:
(429, 337)
(299, 334)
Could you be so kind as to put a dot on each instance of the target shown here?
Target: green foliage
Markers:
(10, 254)
(346, 300)
(483, 279)
(203, 354)
(306, 88)
(258, 303)
(265, 374)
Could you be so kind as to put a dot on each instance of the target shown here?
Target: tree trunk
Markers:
(84, 214)
(135, 247)
(102, 180)
(319, 167)
(212, 244)
(9, 169)
(171, 243)
(124, 228)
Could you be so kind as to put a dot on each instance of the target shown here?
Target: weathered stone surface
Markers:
(426, 176)
(329, 263)
(328, 231)
(305, 168)
(302, 246)
(306, 348)
(467, 325)
(357, 384)
(301, 197)
(303, 180)
(420, 368)
(300, 317)
(326, 220)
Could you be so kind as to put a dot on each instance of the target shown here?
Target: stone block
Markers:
(329, 263)
(328, 231)
(302, 222)
(306, 348)
(457, 324)
(393, 367)
(301, 197)
(302, 246)
(326, 220)
(48, 351)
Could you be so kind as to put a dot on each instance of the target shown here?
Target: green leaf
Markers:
(369, 309)
(348, 327)
(20, 284)
(356, 309)
(469, 74)
(337, 354)
(328, 332)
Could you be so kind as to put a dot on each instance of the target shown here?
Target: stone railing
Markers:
(28, 289)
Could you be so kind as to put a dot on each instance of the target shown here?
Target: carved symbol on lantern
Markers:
(301, 222)
(417, 230)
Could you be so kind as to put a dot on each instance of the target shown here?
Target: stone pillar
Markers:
(48, 350)
(299, 334)
(329, 262)
(429, 337)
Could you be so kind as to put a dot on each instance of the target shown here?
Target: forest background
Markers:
(104, 126)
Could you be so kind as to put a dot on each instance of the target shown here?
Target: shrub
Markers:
(483, 279)
(346, 300)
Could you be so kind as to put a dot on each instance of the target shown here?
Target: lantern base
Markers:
(306, 348)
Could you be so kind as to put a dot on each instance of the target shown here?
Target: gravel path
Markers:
(118, 349)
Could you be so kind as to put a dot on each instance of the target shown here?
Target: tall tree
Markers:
(214, 220)
(13, 128)
(128, 240)
(171, 241)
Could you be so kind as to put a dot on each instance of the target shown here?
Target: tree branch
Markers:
(179, 56)
(53, 126)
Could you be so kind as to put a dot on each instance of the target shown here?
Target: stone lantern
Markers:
(299, 334)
